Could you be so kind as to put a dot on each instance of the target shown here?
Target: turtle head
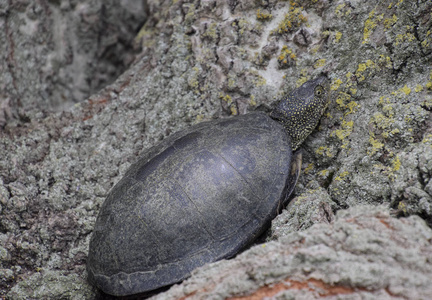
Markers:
(301, 110)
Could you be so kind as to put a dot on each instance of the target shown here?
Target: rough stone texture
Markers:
(364, 254)
(205, 59)
(56, 53)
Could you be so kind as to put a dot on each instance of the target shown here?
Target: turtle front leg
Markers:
(296, 163)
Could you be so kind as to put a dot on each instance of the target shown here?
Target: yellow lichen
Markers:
(351, 107)
(418, 88)
(232, 106)
(233, 110)
(427, 41)
(361, 68)
(386, 170)
(325, 33)
(402, 207)
(376, 145)
(427, 138)
(319, 63)
(292, 20)
(193, 79)
(144, 37)
(324, 173)
(211, 31)
(402, 38)
(369, 66)
(370, 24)
(396, 163)
(226, 98)
(384, 100)
(263, 15)
(338, 36)
(338, 9)
(335, 84)
(341, 176)
(388, 110)
(347, 128)
(303, 77)
(342, 10)
(243, 25)
(286, 56)
(191, 14)
(325, 151)
(252, 101)
(259, 81)
(388, 23)
(231, 83)
(199, 118)
(385, 61)
(381, 121)
(308, 168)
(405, 90)
(342, 99)
(394, 131)
(429, 83)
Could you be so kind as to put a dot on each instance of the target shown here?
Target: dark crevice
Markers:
(233, 5)
(421, 179)
(417, 36)
(329, 180)
(427, 218)
(396, 71)
(426, 107)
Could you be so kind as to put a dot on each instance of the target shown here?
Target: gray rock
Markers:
(57, 53)
(364, 254)
(49, 284)
(207, 59)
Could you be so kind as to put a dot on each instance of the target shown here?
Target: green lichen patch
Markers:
(286, 57)
(50, 284)
(343, 10)
(228, 102)
(343, 132)
(327, 151)
(345, 93)
(292, 20)
(400, 28)
(370, 24)
(319, 63)
(191, 13)
(428, 84)
(366, 69)
(193, 79)
(211, 32)
(376, 145)
(263, 15)
(426, 42)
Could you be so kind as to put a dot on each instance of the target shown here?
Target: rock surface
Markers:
(363, 254)
(207, 59)
(57, 53)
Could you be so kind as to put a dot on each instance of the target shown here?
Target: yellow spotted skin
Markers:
(301, 110)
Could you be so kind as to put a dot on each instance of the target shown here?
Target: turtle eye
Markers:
(319, 91)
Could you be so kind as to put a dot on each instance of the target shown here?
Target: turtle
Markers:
(201, 195)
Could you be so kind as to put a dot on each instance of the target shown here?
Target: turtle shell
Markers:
(201, 195)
